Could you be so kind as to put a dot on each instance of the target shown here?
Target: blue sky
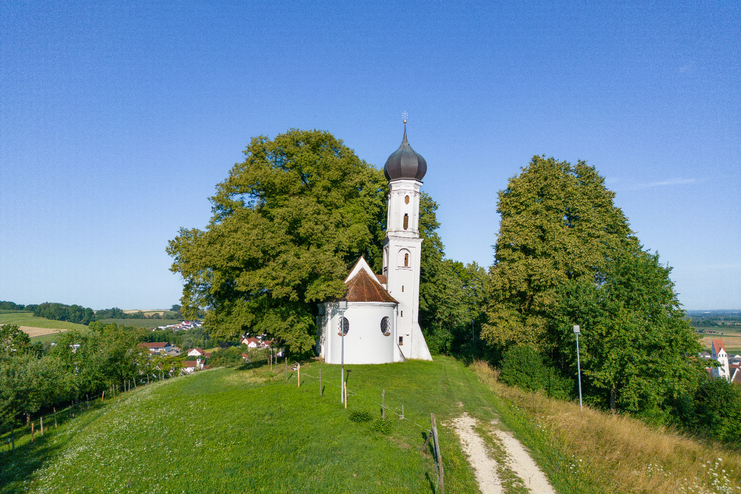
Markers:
(118, 119)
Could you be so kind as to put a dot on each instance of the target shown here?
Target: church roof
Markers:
(405, 163)
(362, 288)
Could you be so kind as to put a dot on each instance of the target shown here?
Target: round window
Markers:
(344, 326)
(386, 326)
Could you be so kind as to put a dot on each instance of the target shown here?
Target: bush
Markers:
(522, 366)
(382, 426)
(360, 416)
(717, 410)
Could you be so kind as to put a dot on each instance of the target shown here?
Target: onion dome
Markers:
(405, 163)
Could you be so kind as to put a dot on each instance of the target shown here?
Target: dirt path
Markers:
(517, 459)
(474, 447)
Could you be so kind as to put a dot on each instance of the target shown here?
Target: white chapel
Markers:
(377, 320)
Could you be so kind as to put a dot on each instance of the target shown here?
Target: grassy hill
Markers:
(248, 429)
(28, 319)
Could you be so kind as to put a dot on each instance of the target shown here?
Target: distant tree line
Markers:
(4, 305)
(85, 315)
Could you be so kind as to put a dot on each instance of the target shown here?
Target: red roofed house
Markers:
(196, 352)
(157, 347)
(718, 353)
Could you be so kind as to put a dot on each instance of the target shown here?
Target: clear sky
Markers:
(118, 119)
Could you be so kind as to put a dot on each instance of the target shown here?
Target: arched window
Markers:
(406, 221)
(406, 199)
(344, 326)
(406, 260)
(385, 326)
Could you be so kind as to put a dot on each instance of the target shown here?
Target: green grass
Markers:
(249, 430)
(28, 319)
(141, 323)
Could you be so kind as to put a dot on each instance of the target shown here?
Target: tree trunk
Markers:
(612, 399)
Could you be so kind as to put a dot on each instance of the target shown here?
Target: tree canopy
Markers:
(565, 255)
(287, 224)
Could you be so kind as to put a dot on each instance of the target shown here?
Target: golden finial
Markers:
(404, 115)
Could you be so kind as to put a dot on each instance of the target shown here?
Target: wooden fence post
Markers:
(42, 425)
(32, 424)
(298, 380)
(437, 454)
(383, 405)
(344, 386)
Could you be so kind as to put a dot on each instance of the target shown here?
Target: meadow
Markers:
(249, 429)
(141, 323)
(731, 338)
(28, 319)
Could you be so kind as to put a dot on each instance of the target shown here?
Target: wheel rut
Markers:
(516, 459)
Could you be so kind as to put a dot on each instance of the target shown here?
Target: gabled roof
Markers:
(718, 345)
(361, 265)
(156, 344)
(363, 288)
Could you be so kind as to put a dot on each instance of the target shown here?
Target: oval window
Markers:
(385, 326)
(406, 199)
(344, 326)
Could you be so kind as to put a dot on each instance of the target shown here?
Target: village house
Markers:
(157, 347)
(198, 352)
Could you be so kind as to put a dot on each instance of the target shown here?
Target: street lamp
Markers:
(577, 332)
(342, 306)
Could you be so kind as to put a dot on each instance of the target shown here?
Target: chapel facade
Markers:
(377, 320)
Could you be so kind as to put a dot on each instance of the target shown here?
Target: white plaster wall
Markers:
(364, 342)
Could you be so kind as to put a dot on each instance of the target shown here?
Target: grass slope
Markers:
(28, 319)
(250, 430)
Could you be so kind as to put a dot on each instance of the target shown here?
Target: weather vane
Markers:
(404, 115)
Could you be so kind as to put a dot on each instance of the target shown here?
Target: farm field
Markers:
(141, 323)
(39, 328)
(731, 339)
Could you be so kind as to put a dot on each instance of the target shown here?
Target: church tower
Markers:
(402, 247)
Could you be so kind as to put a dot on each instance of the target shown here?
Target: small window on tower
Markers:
(406, 199)
(406, 260)
(401, 341)
(406, 221)
(402, 288)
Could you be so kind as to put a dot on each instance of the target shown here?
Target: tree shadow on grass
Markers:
(18, 467)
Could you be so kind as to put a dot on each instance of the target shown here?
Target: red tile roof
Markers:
(363, 288)
(156, 344)
(718, 344)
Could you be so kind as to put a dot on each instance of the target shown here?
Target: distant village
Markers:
(729, 366)
(165, 349)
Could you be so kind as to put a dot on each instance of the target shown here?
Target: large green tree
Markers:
(287, 224)
(565, 255)
(558, 223)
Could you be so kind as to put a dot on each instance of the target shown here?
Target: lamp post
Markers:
(342, 306)
(577, 332)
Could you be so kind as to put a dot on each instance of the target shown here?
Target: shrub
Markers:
(359, 416)
(523, 366)
(382, 426)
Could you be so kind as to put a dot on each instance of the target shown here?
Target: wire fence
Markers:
(37, 426)
(430, 434)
